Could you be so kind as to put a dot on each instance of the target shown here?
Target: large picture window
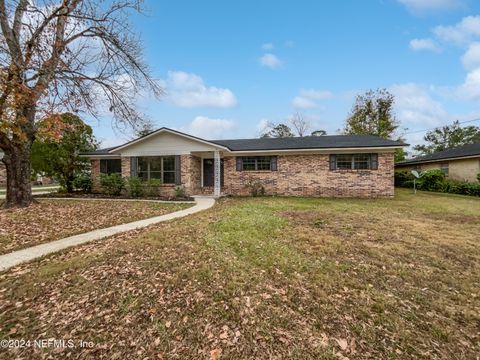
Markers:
(353, 162)
(257, 163)
(158, 167)
(110, 166)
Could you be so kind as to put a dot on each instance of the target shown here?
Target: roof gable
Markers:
(182, 139)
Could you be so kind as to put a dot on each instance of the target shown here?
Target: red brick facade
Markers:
(297, 175)
(309, 175)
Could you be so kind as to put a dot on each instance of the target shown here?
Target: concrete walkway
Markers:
(17, 257)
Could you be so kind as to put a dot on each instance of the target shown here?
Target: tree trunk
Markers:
(19, 188)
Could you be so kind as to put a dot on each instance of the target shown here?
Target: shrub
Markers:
(256, 188)
(432, 180)
(83, 182)
(179, 192)
(135, 186)
(403, 178)
(463, 188)
(112, 184)
(151, 187)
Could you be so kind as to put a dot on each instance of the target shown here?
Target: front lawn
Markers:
(277, 278)
(55, 219)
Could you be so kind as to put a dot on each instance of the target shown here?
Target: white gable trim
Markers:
(167, 130)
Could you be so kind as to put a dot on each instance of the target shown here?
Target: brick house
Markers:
(327, 166)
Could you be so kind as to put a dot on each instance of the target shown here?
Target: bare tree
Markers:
(64, 55)
(301, 125)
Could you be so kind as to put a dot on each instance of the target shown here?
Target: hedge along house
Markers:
(330, 166)
(461, 163)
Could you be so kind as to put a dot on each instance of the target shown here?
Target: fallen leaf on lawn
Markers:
(342, 343)
(214, 354)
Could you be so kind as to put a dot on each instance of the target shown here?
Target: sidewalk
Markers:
(17, 257)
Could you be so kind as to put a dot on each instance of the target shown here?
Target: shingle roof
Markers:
(291, 143)
(104, 151)
(458, 152)
(308, 142)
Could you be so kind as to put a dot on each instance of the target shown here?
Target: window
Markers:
(257, 163)
(444, 168)
(110, 166)
(162, 168)
(353, 162)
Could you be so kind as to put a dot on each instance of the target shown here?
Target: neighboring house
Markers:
(461, 163)
(340, 165)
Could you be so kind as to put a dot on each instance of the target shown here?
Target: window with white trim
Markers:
(257, 163)
(354, 161)
(157, 167)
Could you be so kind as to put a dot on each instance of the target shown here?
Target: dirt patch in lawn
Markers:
(50, 220)
(262, 278)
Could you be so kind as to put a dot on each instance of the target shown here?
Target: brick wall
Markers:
(126, 167)
(95, 173)
(309, 175)
(191, 174)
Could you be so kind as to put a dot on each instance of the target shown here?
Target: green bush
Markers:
(112, 184)
(463, 188)
(152, 186)
(403, 178)
(431, 180)
(179, 192)
(135, 186)
(434, 180)
(83, 182)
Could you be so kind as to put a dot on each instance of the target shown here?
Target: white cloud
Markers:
(422, 6)
(262, 126)
(270, 60)
(307, 98)
(416, 107)
(300, 102)
(471, 58)
(188, 90)
(470, 89)
(424, 44)
(461, 33)
(268, 46)
(208, 128)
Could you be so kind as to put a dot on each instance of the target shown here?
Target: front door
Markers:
(209, 172)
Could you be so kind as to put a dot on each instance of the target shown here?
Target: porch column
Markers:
(216, 172)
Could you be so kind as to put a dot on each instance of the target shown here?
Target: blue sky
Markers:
(230, 66)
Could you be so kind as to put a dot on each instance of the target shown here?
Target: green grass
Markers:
(290, 278)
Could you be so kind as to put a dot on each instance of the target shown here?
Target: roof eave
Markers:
(416, 162)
